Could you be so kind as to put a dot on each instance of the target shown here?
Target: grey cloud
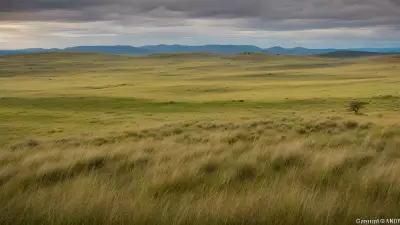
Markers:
(270, 14)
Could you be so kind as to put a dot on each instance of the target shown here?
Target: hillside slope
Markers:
(350, 54)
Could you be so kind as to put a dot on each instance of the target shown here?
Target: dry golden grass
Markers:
(259, 172)
(197, 139)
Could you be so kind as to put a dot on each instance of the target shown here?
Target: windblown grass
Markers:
(206, 173)
(197, 139)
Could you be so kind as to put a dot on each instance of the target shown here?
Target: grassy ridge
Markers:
(197, 139)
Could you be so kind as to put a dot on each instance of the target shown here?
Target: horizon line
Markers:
(142, 46)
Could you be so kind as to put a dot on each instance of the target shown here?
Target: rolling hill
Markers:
(119, 49)
(220, 49)
(351, 54)
(296, 51)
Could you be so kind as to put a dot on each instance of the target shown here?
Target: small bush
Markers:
(238, 137)
(366, 126)
(246, 172)
(356, 106)
(283, 162)
(209, 167)
(351, 124)
(302, 131)
(177, 131)
(32, 143)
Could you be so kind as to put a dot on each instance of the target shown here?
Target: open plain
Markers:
(198, 138)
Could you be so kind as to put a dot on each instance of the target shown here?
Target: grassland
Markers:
(197, 139)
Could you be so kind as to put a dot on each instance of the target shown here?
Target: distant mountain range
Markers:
(297, 51)
(221, 49)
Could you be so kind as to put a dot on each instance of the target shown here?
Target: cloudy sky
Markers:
(266, 23)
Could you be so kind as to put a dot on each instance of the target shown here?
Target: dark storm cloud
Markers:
(276, 14)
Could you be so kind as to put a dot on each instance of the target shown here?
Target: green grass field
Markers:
(198, 138)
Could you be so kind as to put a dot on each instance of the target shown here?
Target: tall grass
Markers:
(261, 172)
(67, 159)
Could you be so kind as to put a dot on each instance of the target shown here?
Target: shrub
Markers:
(351, 124)
(301, 131)
(209, 167)
(246, 172)
(356, 106)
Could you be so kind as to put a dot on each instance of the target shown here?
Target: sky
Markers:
(265, 23)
